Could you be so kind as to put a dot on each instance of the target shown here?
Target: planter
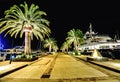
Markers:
(24, 59)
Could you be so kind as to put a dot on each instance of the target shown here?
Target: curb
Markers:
(15, 69)
(110, 68)
(106, 67)
(10, 71)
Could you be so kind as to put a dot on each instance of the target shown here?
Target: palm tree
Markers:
(49, 43)
(65, 46)
(28, 20)
(55, 47)
(75, 37)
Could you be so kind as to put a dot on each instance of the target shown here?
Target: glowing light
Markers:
(4, 42)
(96, 54)
(1, 44)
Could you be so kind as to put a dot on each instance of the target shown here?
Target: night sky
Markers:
(67, 14)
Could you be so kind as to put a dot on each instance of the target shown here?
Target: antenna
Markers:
(117, 35)
(91, 32)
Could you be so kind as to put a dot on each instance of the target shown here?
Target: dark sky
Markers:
(67, 14)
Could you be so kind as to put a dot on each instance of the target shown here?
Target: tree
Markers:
(55, 47)
(65, 46)
(50, 43)
(28, 20)
(75, 37)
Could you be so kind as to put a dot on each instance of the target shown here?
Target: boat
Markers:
(93, 40)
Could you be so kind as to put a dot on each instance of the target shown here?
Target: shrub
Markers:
(24, 57)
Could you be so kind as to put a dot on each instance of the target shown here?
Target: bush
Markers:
(76, 53)
(24, 57)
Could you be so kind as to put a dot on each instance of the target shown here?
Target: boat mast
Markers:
(91, 32)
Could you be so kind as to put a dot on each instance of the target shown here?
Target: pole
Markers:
(10, 59)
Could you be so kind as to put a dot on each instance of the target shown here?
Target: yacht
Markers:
(95, 41)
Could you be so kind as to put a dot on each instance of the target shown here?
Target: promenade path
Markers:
(65, 68)
(33, 71)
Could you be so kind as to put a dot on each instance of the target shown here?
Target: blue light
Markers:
(1, 44)
(4, 42)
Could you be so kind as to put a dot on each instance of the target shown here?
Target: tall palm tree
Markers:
(49, 43)
(28, 20)
(65, 46)
(75, 37)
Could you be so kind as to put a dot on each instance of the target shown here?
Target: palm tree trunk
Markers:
(50, 48)
(67, 49)
(27, 43)
(75, 46)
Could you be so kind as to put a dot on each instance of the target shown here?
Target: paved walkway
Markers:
(33, 71)
(65, 69)
(2, 63)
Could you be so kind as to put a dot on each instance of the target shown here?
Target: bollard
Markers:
(10, 59)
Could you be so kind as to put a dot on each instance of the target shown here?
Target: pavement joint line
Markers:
(46, 74)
